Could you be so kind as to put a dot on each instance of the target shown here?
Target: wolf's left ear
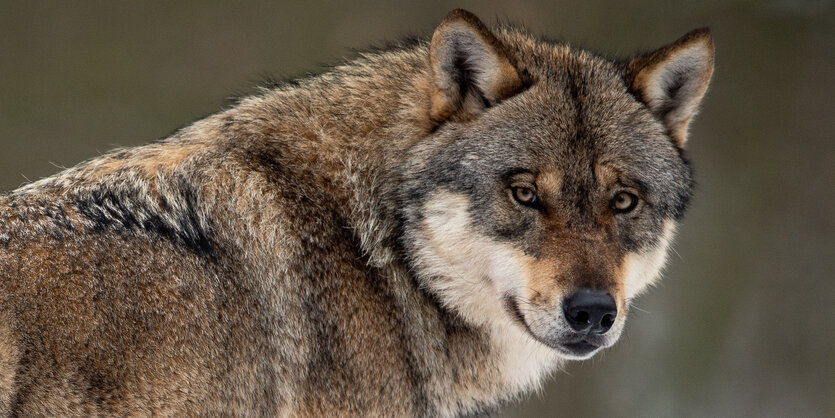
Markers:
(673, 80)
(471, 69)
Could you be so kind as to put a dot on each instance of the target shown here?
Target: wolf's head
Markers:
(547, 195)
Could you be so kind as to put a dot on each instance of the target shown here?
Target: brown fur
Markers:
(259, 261)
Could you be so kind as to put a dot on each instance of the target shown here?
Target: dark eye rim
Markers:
(533, 203)
(632, 206)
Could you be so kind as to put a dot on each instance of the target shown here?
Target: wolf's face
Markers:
(552, 207)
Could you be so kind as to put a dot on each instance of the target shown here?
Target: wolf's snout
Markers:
(591, 311)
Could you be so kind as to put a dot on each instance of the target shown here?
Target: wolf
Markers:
(430, 229)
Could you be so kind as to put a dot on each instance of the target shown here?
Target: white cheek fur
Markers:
(471, 273)
(468, 270)
(644, 269)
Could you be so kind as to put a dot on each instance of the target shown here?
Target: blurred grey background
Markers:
(744, 322)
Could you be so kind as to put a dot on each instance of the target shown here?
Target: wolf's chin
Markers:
(578, 351)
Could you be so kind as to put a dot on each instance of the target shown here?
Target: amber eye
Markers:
(524, 195)
(624, 202)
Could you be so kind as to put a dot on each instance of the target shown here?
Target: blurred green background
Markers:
(744, 322)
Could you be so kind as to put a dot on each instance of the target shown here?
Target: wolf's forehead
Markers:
(568, 116)
(575, 94)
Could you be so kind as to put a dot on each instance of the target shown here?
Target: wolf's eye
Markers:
(624, 202)
(524, 195)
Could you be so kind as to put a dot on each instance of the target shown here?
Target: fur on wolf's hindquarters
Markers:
(426, 230)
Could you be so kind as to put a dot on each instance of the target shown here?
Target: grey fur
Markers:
(263, 261)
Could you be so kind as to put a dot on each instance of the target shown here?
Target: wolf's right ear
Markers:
(673, 80)
(471, 69)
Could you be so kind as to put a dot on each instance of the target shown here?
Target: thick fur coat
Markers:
(397, 236)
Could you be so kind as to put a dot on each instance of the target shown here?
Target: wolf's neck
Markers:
(352, 128)
(466, 369)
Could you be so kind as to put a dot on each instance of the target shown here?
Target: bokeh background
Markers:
(744, 322)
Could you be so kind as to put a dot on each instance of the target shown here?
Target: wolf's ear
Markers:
(673, 80)
(471, 69)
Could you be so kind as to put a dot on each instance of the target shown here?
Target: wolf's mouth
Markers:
(512, 307)
(580, 348)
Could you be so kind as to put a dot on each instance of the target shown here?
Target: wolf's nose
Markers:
(591, 311)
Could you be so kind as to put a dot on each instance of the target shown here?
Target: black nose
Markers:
(591, 311)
